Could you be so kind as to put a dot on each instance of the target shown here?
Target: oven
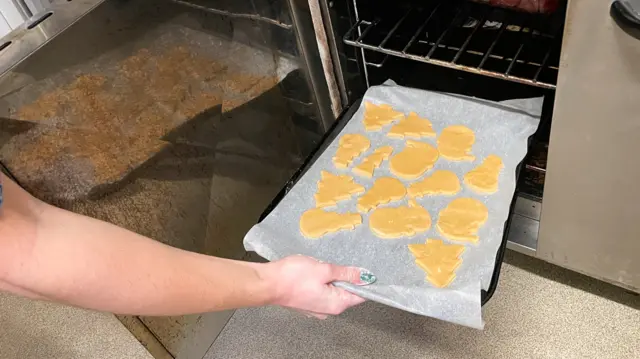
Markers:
(458, 47)
(574, 199)
(195, 113)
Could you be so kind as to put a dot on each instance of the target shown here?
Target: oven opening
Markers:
(460, 47)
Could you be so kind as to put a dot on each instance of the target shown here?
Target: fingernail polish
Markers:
(366, 277)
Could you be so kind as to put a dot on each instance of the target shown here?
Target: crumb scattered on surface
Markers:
(116, 123)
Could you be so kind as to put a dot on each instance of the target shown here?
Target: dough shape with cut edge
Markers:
(436, 247)
(384, 190)
(414, 160)
(438, 260)
(350, 146)
(317, 222)
(373, 161)
(396, 222)
(455, 143)
(376, 116)
(484, 178)
(412, 126)
(462, 218)
(335, 188)
(441, 182)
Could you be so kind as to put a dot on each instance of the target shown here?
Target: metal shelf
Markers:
(476, 38)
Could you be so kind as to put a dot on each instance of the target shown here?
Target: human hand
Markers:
(304, 284)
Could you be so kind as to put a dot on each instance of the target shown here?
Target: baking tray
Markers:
(331, 134)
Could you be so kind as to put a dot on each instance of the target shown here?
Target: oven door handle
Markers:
(626, 13)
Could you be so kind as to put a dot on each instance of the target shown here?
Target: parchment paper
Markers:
(500, 128)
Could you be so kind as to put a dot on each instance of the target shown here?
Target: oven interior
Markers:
(459, 47)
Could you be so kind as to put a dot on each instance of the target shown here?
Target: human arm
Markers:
(50, 253)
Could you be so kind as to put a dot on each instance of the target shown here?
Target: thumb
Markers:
(353, 275)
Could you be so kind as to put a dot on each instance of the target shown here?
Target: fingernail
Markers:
(366, 277)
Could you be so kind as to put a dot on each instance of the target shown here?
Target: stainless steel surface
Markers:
(328, 68)
(523, 234)
(467, 41)
(24, 41)
(22, 8)
(536, 168)
(235, 15)
(525, 222)
(332, 42)
(591, 201)
(306, 37)
(527, 208)
(204, 334)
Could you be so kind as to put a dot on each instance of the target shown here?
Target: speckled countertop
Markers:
(539, 311)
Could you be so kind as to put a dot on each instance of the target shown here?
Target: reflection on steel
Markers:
(536, 168)
(235, 15)
(376, 35)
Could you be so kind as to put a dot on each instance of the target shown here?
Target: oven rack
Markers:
(475, 38)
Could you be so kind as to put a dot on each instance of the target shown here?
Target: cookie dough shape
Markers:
(438, 260)
(350, 147)
(373, 161)
(412, 126)
(416, 159)
(384, 190)
(462, 218)
(484, 178)
(455, 143)
(317, 222)
(335, 188)
(440, 182)
(376, 116)
(396, 222)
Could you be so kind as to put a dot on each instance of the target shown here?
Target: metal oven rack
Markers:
(465, 36)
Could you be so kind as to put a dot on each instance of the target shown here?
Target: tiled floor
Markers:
(37, 330)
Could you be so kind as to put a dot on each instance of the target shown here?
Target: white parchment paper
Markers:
(500, 128)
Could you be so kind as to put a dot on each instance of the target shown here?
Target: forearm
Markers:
(84, 262)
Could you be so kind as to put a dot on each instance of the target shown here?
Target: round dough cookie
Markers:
(396, 222)
(462, 218)
(484, 178)
(416, 159)
(455, 143)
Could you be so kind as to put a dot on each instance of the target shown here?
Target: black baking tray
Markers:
(328, 138)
